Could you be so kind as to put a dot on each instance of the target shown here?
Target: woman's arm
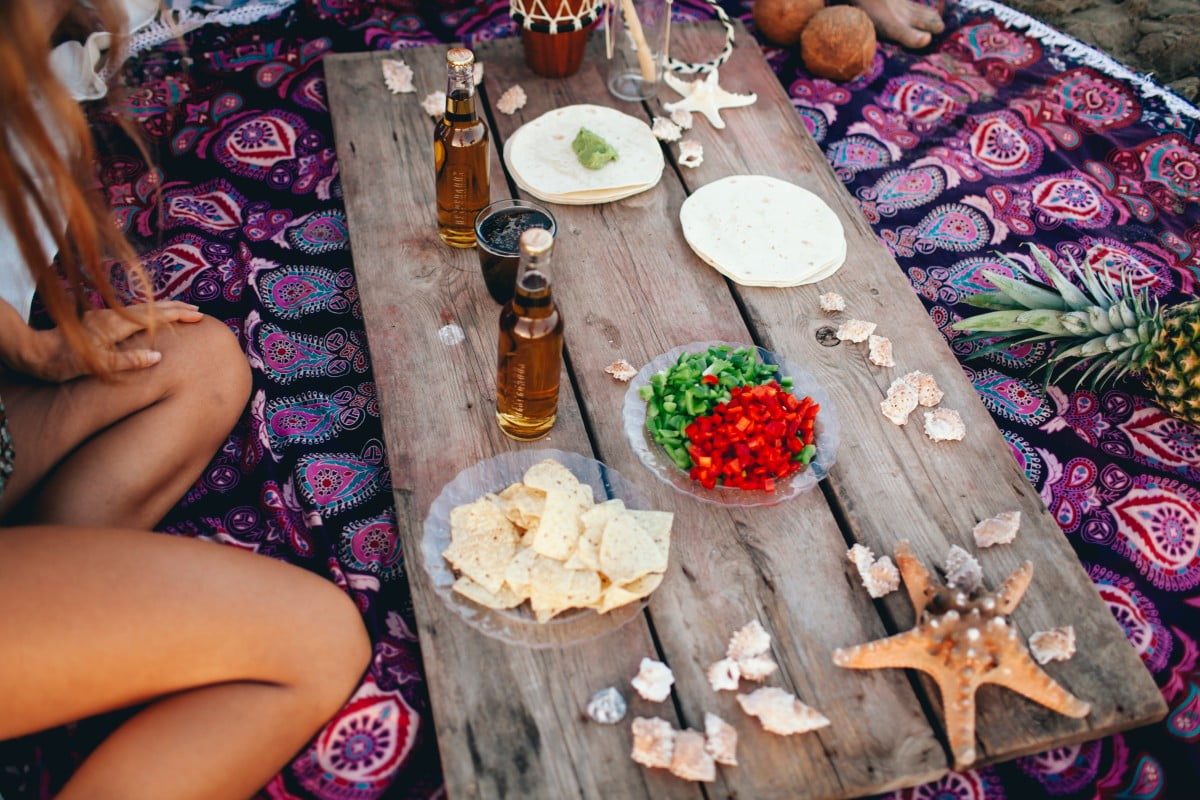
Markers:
(45, 355)
(19, 343)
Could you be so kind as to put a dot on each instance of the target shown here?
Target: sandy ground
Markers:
(1160, 38)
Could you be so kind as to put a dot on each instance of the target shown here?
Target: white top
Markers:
(75, 65)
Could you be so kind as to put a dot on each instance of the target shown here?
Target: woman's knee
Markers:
(205, 360)
(342, 648)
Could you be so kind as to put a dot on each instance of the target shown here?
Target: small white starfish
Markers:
(706, 97)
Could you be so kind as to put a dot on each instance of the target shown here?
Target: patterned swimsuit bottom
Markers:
(6, 450)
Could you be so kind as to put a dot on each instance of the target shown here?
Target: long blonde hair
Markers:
(47, 165)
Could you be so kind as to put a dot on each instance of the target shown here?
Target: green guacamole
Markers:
(592, 151)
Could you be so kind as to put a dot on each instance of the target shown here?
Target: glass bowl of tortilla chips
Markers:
(544, 548)
(656, 458)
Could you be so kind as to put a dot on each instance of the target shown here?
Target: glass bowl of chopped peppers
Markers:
(731, 424)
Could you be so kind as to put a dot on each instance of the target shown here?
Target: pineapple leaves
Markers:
(1075, 299)
(1009, 344)
(1014, 319)
(1096, 325)
(1027, 295)
(997, 301)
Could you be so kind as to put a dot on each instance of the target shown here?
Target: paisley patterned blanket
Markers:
(1002, 132)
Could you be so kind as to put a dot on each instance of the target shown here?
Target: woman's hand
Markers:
(51, 358)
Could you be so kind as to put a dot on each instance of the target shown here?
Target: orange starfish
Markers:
(963, 641)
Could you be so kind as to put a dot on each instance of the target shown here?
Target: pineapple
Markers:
(1108, 329)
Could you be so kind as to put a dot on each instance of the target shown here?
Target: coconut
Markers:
(782, 20)
(838, 43)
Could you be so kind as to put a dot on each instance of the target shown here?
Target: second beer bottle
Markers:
(460, 154)
(530, 345)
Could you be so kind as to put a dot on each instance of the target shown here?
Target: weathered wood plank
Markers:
(508, 718)
(893, 483)
(625, 295)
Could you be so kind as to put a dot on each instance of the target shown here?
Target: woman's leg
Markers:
(241, 658)
(123, 453)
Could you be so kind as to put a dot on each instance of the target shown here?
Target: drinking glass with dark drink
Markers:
(498, 230)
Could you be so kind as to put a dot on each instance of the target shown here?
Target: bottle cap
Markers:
(536, 241)
(460, 57)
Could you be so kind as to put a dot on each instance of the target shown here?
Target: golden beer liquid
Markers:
(461, 161)
(529, 361)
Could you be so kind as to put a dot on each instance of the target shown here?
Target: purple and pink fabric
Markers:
(1001, 133)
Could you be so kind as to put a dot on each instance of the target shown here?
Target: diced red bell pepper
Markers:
(750, 441)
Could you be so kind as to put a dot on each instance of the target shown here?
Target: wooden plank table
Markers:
(509, 719)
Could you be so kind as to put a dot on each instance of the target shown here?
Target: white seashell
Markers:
(477, 72)
(944, 425)
(861, 557)
(691, 759)
(397, 76)
(748, 641)
(691, 153)
(434, 104)
(513, 100)
(901, 401)
(607, 706)
(683, 118)
(963, 570)
(882, 578)
(780, 712)
(621, 370)
(832, 302)
(666, 130)
(879, 577)
(1056, 644)
(928, 393)
(855, 330)
(653, 742)
(654, 680)
(720, 739)
(880, 351)
(757, 668)
(724, 675)
(1000, 529)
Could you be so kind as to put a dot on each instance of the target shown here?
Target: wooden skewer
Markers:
(645, 57)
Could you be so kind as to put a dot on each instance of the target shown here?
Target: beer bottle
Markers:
(460, 154)
(530, 348)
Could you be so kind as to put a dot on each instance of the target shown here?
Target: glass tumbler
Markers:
(498, 230)
(636, 45)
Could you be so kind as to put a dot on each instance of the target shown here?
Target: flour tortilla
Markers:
(761, 231)
(541, 160)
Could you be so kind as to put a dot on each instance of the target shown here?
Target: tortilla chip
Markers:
(658, 525)
(615, 597)
(483, 513)
(551, 476)
(627, 552)
(505, 598)
(553, 585)
(587, 548)
(522, 505)
(482, 542)
(643, 585)
(516, 573)
(558, 529)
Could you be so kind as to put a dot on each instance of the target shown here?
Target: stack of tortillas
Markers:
(540, 158)
(761, 231)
